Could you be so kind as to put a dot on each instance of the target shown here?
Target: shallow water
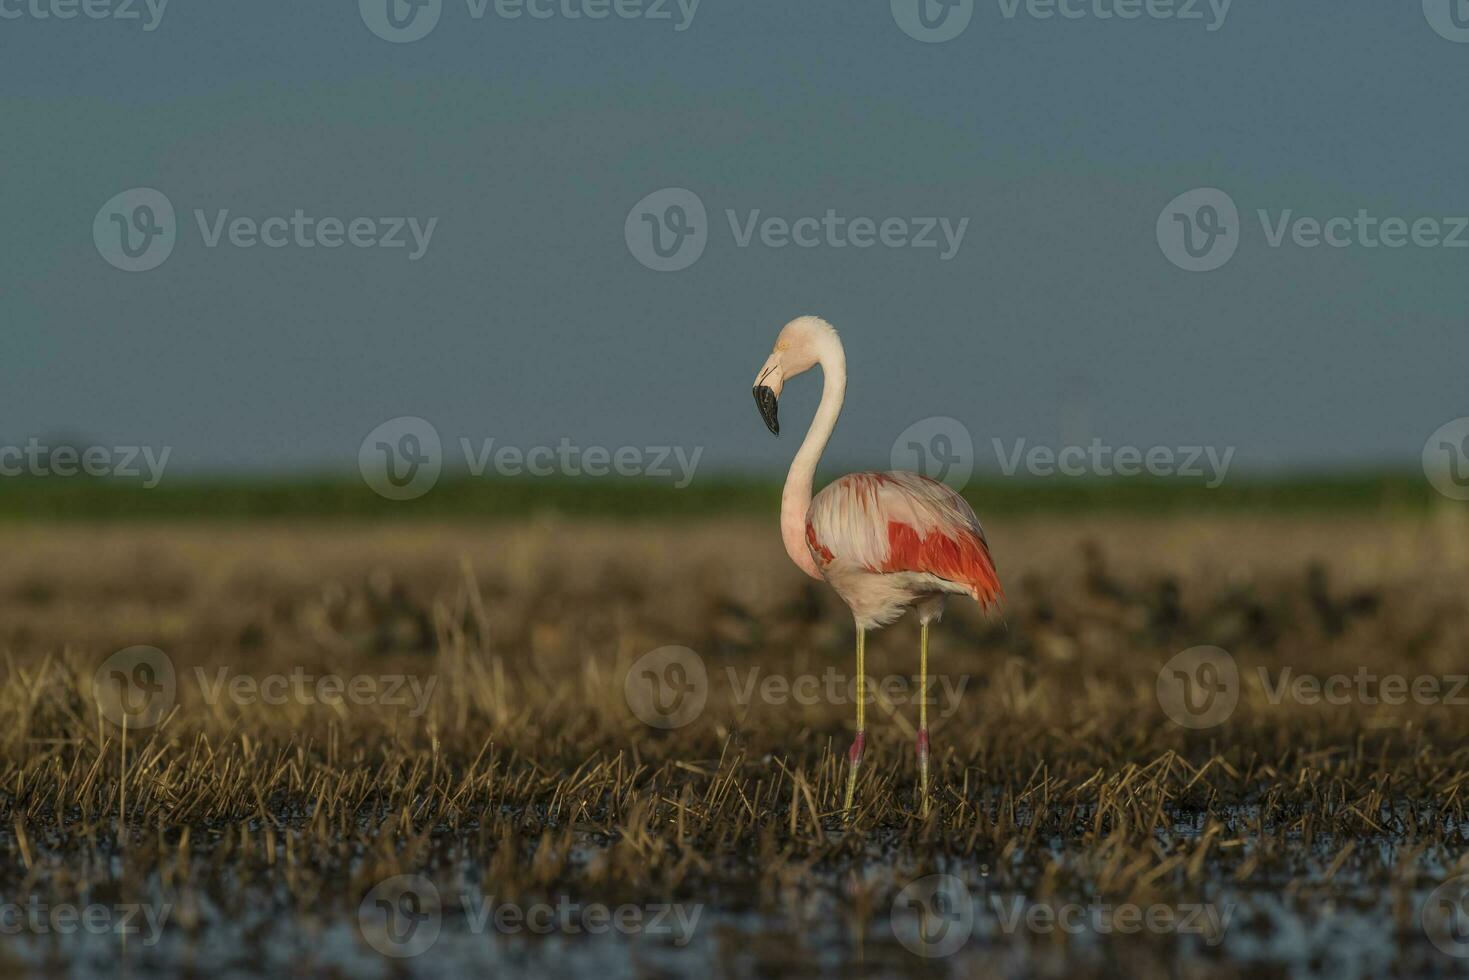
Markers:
(1306, 915)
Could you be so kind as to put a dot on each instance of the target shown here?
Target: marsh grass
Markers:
(1059, 776)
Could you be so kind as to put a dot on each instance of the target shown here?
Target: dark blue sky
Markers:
(528, 319)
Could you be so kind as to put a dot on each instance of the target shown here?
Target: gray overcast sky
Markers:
(529, 320)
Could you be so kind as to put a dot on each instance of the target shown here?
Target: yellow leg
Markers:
(854, 757)
(923, 719)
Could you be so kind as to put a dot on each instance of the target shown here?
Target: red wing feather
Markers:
(955, 556)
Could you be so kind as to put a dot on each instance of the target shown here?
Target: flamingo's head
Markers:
(797, 350)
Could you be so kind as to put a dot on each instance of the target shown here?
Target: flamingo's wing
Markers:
(903, 522)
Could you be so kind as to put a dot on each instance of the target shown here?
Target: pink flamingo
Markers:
(883, 541)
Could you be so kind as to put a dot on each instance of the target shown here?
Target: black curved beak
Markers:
(765, 399)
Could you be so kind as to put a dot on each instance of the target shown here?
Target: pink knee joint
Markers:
(854, 755)
(922, 746)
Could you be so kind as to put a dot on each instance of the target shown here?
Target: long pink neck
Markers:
(795, 500)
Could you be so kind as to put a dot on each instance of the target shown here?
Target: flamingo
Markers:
(883, 541)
